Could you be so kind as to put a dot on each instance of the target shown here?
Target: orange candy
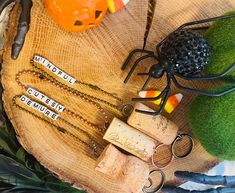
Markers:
(77, 15)
(171, 104)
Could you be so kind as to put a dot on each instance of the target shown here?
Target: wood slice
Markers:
(95, 56)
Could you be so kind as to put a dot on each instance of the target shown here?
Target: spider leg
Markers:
(196, 28)
(164, 95)
(157, 97)
(148, 79)
(200, 28)
(136, 64)
(4, 4)
(143, 73)
(131, 55)
(205, 179)
(146, 82)
(153, 98)
(23, 27)
(222, 17)
(174, 189)
(211, 77)
(162, 105)
(201, 92)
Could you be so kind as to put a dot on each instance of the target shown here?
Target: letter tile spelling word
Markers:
(40, 108)
(55, 70)
(45, 99)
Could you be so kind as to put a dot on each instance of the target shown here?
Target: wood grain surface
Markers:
(96, 56)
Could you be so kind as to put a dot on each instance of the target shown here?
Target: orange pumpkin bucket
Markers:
(77, 15)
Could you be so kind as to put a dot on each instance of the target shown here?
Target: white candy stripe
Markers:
(179, 97)
(125, 1)
(142, 94)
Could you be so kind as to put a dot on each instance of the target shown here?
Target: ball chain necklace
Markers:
(124, 109)
(70, 90)
(93, 146)
(54, 82)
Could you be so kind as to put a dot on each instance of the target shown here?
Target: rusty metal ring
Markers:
(161, 166)
(150, 184)
(179, 137)
(147, 189)
(127, 109)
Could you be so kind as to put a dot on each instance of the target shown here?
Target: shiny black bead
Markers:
(187, 51)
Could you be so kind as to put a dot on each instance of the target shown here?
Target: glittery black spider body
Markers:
(182, 54)
(186, 52)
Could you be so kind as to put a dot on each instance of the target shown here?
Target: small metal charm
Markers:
(164, 165)
(106, 125)
(178, 138)
(127, 109)
(149, 188)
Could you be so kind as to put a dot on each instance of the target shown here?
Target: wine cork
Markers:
(157, 127)
(129, 172)
(130, 139)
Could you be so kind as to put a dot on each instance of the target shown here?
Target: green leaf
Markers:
(39, 168)
(20, 154)
(6, 144)
(22, 173)
(19, 176)
(8, 188)
(6, 136)
(62, 188)
(15, 173)
(5, 147)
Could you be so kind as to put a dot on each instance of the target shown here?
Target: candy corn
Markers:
(172, 102)
(116, 5)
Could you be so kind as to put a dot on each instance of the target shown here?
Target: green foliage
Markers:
(19, 171)
(212, 121)
(221, 37)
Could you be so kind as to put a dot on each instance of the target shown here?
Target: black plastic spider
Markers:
(182, 54)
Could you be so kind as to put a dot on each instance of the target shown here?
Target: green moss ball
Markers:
(221, 38)
(212, 120)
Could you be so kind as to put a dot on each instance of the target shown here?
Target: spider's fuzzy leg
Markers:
(128, 59)
(136, 64)
(202, 92)
(23, 28)
(4, 4)
(205, 179)
(174, 189)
